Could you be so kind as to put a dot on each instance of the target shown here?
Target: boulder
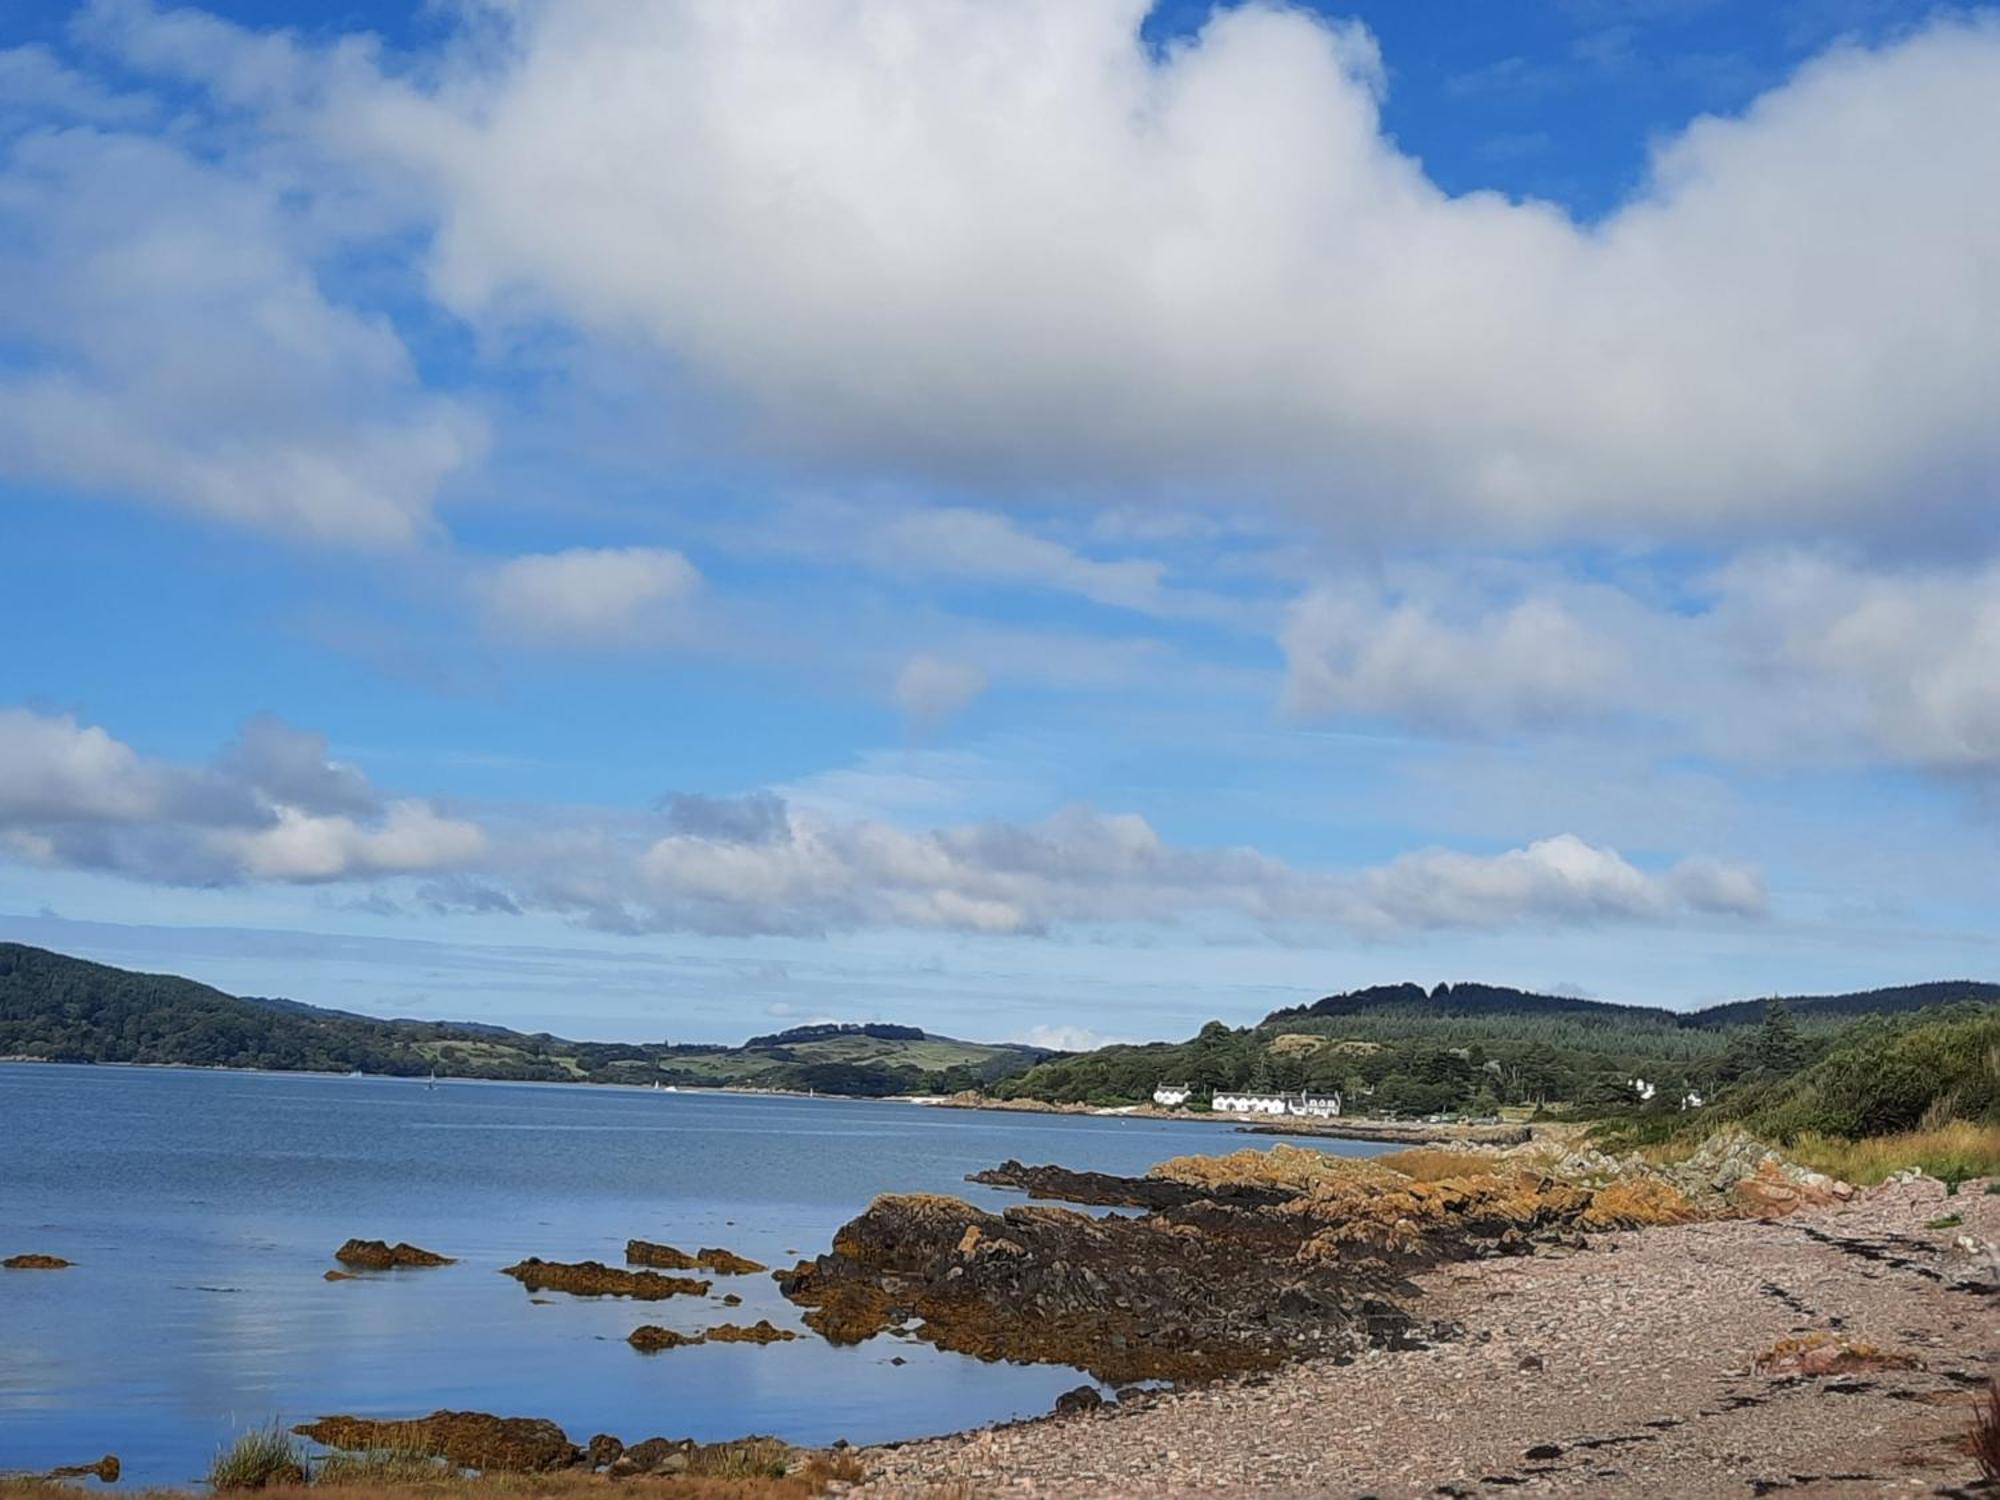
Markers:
(1079, 1402)
(602, 1451)
(33, 1262)
(469, 1439)
(1819, 1354)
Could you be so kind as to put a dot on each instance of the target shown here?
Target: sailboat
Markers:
(432, 1081)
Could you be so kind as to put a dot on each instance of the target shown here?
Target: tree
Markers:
(1780, 1047)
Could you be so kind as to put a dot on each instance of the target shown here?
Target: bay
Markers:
(201, 1209)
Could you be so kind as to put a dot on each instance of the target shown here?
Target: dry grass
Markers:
(261, 1459)
(1435, 1163)
(1954, 1152)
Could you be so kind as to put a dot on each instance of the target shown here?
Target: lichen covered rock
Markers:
(763, 1331)
(33, 1262)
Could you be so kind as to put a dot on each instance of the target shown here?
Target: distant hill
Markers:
(1486, 1001)
(57, 1008)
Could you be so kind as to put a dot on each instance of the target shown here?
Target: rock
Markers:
(763, 1331)
(1769, 1192)
(1079, 1402)
(469, 1439)
(728, 1263)
(1530, 1362)
(652, 1338)
(746, 1457)
(730, 1299)
(35, 1263)
(1819, 1354)
(338, 1276)
(1542, 1452)
(590, 1278)
(378, 1255)
(602, 1451)
(106, 1468)
(654, 1456)
(663, 1257)
(1100, 1189)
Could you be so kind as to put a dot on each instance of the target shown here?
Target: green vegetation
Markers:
(60, 1009)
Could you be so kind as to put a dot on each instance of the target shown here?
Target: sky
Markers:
(1053, 521)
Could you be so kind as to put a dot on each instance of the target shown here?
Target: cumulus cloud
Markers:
(931, 690)
(76, 796)
(72, 794)
(1015, 244)
(164, 336)
(590, 595)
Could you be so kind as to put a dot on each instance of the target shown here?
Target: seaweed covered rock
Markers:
(650, 1338)
(728, 1263)
(1126, 1299)
(106, 1468)
(33, 1262)
(590, 1278)
(379, 1255)
(469, 1439)
(660, 1257)
(763, 1331)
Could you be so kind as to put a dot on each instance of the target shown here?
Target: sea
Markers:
(201, 1209)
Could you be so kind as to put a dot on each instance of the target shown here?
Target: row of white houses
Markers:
(1242, 1102)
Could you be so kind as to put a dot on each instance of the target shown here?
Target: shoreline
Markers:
(1667, 1360)
(1358, 1128)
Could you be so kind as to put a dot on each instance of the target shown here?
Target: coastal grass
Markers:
(1953, 1152)
(261, 1458)
(1984, 1439)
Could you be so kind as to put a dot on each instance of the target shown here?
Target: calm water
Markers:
(201, 1209)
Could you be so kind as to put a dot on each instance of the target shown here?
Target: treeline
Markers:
(1401, 1051)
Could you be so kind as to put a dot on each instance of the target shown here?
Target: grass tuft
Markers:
(259, 1459)
(1984, 1439)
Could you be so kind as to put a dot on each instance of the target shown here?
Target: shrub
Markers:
(1892, 1074)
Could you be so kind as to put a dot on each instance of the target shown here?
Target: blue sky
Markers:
(1053, 521)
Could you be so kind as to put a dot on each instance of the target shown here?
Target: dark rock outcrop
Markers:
(1101, 1189)
(379, 1255)
(590, 1278)
(1241, 1262)
(35, 1263)
(469, 1439)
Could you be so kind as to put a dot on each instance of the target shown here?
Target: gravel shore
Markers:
(1626, 1369)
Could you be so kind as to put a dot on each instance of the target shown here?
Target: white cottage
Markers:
(1233, 1102)
(1171, 1095)
(1246, 1104)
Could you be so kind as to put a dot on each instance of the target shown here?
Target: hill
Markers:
(57, 1008)
(1402, 1049)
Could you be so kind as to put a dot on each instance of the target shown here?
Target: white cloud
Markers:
(1068, 1038)
(163, 336)
(1531, 663)
(1012, 244)
(72, 794)
(757, 865)
(931, 690)
(1778, 657)
(591, 595)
